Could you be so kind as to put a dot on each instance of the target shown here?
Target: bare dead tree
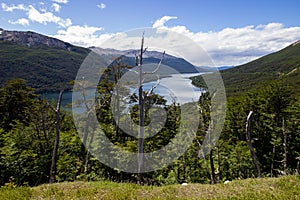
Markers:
(89, 106)
(87, 156)
(285, 154)
(205, 109)
(212, 168)
(56, 143)
(219, 164)
(139, 63)
(298, 165)
(141, 101)
(117, 74)
(248, 138)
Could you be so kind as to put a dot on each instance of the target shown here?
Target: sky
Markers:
(232, 32)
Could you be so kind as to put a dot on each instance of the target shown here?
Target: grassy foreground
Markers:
(287, 187)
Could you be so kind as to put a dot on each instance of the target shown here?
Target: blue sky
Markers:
(231, 31)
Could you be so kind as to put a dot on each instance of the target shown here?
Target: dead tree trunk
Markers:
(212, 168)
(284, 148)
(56, 143)
(87, 156)
(248, 138)
(141, 100)
(117, 76)
(219, 164)
(139, 63)
(298, 165)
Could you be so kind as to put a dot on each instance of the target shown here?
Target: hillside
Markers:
(264, 188)
(282, 64)
(46, 63)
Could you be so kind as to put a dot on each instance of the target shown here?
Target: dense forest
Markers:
(268, 147)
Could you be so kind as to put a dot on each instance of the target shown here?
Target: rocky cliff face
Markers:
(32, 39)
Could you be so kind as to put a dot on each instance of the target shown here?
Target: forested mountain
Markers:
(282, 64)
(46, 63)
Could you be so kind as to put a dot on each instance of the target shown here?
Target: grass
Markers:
(287, 187)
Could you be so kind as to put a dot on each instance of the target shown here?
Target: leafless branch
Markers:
(145, 50)
(158, 66)
(154, 86)
(131, 70)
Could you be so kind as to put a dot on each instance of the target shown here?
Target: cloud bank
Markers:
(234, 46)
(230, 46)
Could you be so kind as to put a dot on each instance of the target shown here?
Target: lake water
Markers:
(176, 87)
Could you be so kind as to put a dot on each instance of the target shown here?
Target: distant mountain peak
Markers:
(130, 53)
(30, 39)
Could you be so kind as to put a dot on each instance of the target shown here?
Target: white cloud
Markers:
(101, 6)
(230, 46)
(56, 7)
(45, 17)
(22, 21)
(34, 15)
(82, 35)
(161, 22)
(12, 7)
(61, 1)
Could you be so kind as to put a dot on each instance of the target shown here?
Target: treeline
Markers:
(27, 135)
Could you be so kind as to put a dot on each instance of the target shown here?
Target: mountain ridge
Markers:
(29, 38)
(49, 64)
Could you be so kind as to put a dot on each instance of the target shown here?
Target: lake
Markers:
(176, 87)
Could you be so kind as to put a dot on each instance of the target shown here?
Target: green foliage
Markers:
(15, 99)
(69, 149)
(271, 108)
(27, 136)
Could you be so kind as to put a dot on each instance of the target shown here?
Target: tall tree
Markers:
(248, 138)
(56, 143)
